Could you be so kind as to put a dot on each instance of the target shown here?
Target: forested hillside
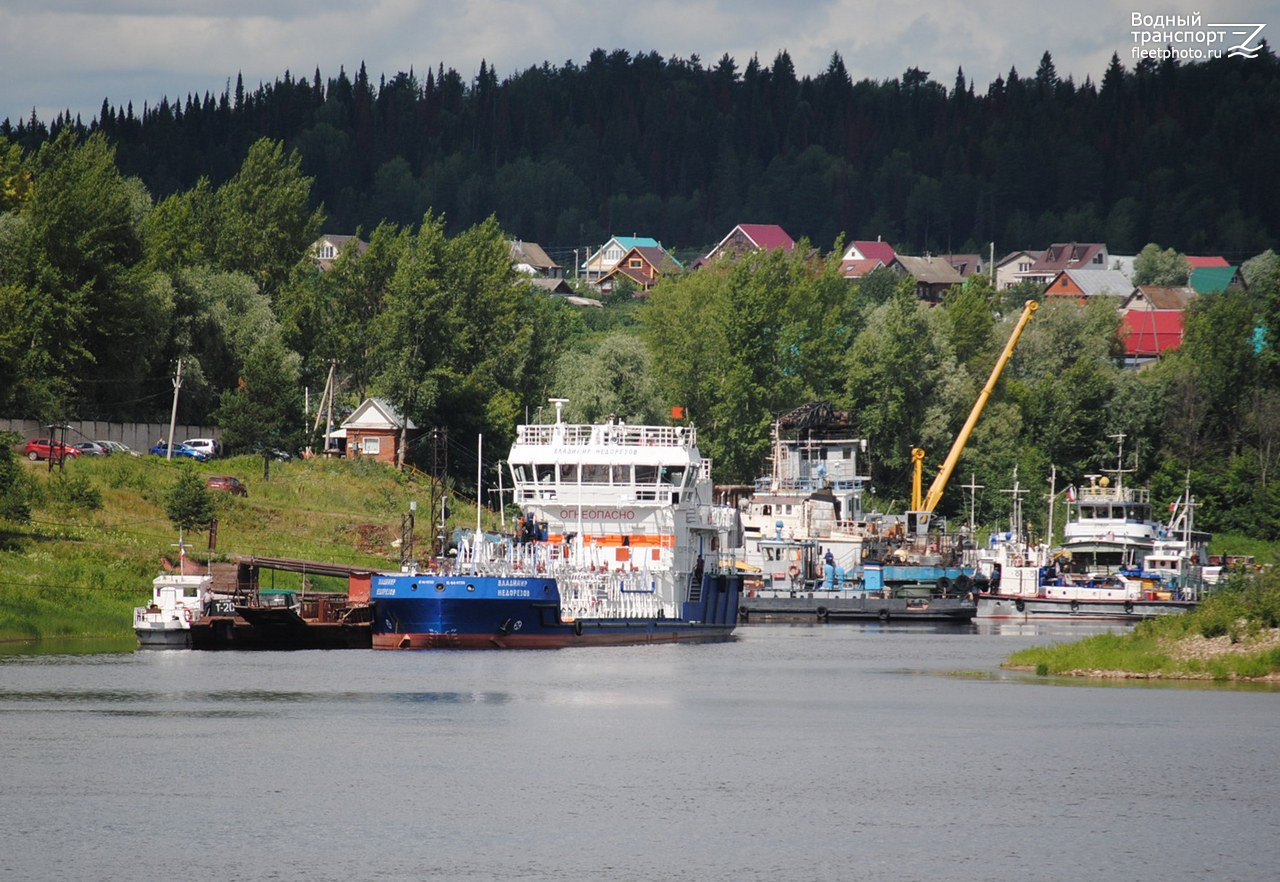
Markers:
(567, 155)
(182, 233)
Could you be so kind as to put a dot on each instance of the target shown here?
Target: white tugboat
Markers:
(177, 599)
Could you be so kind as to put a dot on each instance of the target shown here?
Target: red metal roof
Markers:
(1149, 332)
(1197, 262)
(856, 269)
(768, 236)
(877, 250)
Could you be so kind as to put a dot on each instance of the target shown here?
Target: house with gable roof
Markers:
(1011, 267)
(642, 266)
(1062, 256)
(1150, 333)
(1082, 284)
(965, 264)
(610, 253)
(325, 250)
(863, 250)
(1155, 297)
(933, 275)
(1216, 279)
(1196, 262)
(748, 239)
(529, 258)
(373, 431)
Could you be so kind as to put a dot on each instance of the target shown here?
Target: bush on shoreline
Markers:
(1229, 637)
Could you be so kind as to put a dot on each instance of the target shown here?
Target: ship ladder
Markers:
(695, 588)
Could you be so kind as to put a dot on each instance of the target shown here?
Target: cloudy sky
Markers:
(71, 54)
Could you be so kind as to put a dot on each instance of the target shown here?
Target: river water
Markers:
(795, 752)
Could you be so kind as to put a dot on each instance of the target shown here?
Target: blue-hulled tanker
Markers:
(619, 542)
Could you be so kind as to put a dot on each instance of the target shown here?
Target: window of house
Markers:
(327, 251)
(1024, 267)
(635, 263)
(1097, 258)
(371, 445)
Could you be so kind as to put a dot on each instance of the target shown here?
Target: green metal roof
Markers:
(1212, 279)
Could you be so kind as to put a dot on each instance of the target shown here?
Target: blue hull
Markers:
(429, 611)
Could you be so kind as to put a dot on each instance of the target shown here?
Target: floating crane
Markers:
(922, 508)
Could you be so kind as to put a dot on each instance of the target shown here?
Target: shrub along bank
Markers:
(1233, 635)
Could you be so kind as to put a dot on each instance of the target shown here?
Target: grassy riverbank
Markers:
(77, 571)
(1233, 635)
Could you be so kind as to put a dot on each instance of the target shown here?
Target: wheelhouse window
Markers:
(595, 473)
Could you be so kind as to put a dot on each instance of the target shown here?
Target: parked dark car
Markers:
(179, 450)
(227, 484)
(43, 448)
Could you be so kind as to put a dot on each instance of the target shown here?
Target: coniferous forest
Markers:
(568, 155)
(182, 233)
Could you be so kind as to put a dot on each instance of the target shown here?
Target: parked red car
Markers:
(227, 483)
(43, 448)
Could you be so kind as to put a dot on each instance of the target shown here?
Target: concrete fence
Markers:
(139, 436)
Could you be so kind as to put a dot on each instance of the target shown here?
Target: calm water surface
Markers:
(842, 752)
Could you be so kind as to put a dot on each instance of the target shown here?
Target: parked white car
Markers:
(210, 447)
(117, 447)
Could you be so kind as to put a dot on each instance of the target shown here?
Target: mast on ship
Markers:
(1119, 471)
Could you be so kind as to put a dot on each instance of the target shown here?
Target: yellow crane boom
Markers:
(930, 502)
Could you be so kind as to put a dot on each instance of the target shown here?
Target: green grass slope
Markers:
(78, 568)
(1233, 635)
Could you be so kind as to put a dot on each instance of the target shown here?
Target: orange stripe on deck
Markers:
(663, 540)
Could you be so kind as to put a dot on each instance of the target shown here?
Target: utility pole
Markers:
(326, 406)
(173, 416)
(54, 445)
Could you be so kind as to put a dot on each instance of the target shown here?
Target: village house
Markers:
(747, 239)
(1216, 279)
(1198, 261)
(965, 264)
(1082, 284)
(933, 275)
(606, 259)
(529, 258)
(1149, 333)
(863, 257)
(641, 266)
(1156, 297)
(374, 431)
(1062, 256)
(326, 249)
(1013, 266)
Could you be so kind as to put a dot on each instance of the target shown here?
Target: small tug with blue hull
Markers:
(619, 543)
